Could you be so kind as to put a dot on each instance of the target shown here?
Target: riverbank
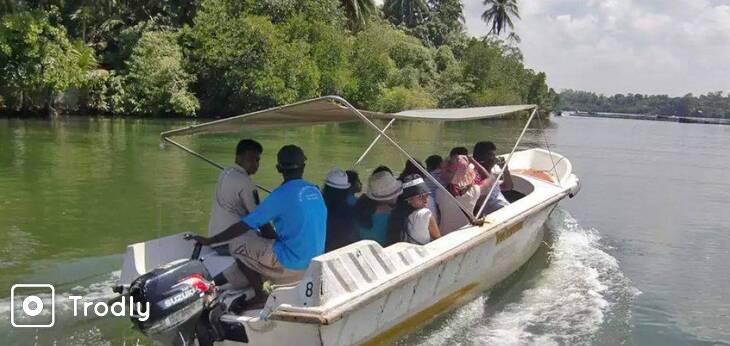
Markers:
(656, 117)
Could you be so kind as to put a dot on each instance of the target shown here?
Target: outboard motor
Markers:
(179, 294)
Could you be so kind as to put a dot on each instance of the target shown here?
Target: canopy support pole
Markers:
(373, 144)
(215, 164)
(547, 146)
(509, 158)
(468, 213)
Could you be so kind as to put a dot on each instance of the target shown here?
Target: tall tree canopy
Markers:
(407, 12)
(499, 15)
(358, 12)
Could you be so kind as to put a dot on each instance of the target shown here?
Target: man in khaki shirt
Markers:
(236, 194)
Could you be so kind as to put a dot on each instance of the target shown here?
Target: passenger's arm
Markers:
(268, 231)
(265, 212)
(479, 168)
(433, 228)
(507, 183)
(487, 182)
(247, 197)
(229, 233)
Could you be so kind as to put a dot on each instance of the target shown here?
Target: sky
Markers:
(669, 47)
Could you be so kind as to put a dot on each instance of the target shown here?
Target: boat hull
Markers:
(448, 284)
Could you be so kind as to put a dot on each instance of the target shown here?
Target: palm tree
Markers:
(358, 12)
(500, 14)
(408, 12)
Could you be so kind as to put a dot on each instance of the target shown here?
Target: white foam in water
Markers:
(569, 301)
(453, 327)
(94, 292)
(565, 304)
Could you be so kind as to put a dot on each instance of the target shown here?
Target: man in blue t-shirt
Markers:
(299, 215)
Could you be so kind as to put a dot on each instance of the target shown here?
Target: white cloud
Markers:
(620, 46)
(611, 46)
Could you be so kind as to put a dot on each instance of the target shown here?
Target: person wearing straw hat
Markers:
(340, 228)
(462, 186)
(373, 209)
(411, 220)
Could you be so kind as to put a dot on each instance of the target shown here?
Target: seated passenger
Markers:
(462, 187)
(434, 164)
(411, 220)
(355, 187)
(373, 209)
(486, 154)
(236, 194)
(340, 228)
(297, 209)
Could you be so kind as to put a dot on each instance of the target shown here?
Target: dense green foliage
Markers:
(225, 57)
(712, 105)
(38, 61)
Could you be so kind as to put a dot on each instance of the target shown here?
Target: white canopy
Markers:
(331, 109)
(461, 114)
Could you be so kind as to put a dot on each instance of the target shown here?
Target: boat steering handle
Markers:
(196, 250)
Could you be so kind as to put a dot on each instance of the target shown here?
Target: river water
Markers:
(639, 257)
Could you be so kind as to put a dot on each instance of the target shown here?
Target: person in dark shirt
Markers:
(340, 226)
(355, 187)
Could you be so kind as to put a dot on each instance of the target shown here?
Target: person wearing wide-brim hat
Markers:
(373, 209)
(411, 220)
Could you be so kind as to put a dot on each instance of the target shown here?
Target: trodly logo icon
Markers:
(34, 312)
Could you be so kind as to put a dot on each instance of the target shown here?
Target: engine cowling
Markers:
(178, 294)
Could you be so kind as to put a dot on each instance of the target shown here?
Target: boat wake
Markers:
(580, 288)
(68, 329)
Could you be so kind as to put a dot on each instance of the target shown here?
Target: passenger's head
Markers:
(434, 162)
(354, 179)
(410, 168)
(458, 151)
(337, 179)
(415, 191)
(290, 161)
(383, 187)
(336, 189)
(383, 169)
(485, 153)
(248, 155)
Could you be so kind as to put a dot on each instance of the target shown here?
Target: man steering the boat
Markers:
(299, 215)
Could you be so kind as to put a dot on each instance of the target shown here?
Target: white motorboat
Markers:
(363, 293)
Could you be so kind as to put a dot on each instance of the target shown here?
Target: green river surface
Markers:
(640, 256)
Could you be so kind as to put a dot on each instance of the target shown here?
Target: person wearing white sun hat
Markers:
(340, 228)
(372, 210)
